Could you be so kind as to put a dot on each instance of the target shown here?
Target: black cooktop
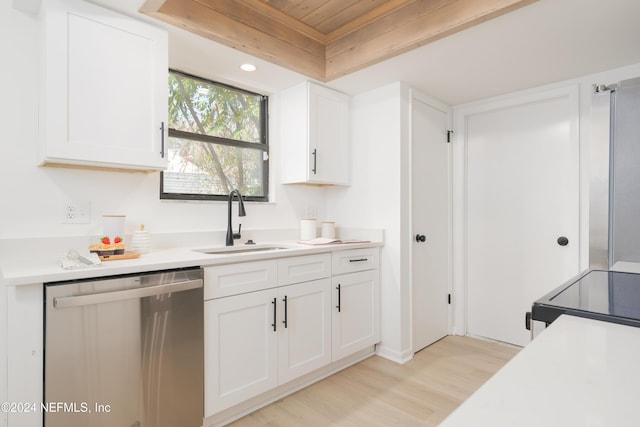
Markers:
(603, 295)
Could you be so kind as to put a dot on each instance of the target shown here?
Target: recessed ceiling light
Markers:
(248, 67)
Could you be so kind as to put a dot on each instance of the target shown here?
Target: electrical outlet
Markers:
(76, 212)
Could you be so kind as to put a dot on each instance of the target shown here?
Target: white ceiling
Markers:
(545, 42)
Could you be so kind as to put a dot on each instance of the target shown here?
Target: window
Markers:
(217, 141)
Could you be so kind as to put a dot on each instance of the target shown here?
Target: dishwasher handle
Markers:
(99, 298)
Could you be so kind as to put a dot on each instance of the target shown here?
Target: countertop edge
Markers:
(27, 271)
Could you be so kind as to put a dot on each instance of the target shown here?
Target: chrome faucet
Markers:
(241, 212)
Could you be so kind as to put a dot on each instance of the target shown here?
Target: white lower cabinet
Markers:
(356, 300)
(272, 332)
(241, 349)
(258, 340)
(305, 329)
(355, 320)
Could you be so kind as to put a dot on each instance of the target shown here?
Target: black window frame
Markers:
(263, 146)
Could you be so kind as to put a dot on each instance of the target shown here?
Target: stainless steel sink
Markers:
(230, 250)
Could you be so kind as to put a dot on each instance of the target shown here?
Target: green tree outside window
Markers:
(217, 141)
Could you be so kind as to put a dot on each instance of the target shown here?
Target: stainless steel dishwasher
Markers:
(125, 351)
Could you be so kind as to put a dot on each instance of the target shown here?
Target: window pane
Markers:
(213, 129)
(203, 168)
(204, 108)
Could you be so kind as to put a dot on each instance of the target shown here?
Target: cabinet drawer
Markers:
(354, 260)
(303, 268)
(232, 279)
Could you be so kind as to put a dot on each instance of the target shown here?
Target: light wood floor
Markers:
(378, 392)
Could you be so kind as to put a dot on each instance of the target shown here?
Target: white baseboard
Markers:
(401, 357)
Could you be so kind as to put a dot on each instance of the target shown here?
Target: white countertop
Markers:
(25, 270)
(578, 372)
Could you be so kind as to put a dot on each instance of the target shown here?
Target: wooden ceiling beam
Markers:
(265, 29)
(265, 10)
(329, 13)
(385, 23)
(245, 16)
(376, 14)
(288, 48)
(407, 28)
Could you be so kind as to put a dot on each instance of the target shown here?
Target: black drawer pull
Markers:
(315, 159)
(359, 260)
(338, 306)
(274, 314)
(285, 312)
(162, 140)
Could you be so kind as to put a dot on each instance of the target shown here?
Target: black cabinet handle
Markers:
(162, 140)
(315, 158)
(338, 306)
(359, 260)
(285, 311)
(563, 241)
(274, 314)
(421, 238)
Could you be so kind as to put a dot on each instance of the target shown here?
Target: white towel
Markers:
(73, 260)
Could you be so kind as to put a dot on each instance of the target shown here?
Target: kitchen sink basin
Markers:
(230, 250)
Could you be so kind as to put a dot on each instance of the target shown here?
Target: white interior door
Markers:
(430, 211)
(522, 196)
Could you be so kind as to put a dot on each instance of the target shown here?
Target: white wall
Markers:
(592, 115)
(377, 198)
(379, 195)
(33, 197)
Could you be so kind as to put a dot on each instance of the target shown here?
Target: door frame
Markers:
(459, 186)
(415, 95)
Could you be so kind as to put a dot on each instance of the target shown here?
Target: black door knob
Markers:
(421, 238)
(563, 241)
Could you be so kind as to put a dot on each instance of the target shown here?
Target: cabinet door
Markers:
(328, 136)
(304, 329)
(104, 88)
(356, 319)
(315, 135)
(240, 348)
(294, 130)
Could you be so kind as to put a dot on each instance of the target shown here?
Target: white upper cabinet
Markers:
(103, 88)
(315, 135)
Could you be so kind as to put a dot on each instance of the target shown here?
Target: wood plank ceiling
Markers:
(326, 39)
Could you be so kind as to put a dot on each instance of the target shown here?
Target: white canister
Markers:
(113, 226)
(328, 229)
(141, 241)
(308, 229)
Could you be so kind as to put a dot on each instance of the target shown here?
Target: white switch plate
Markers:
(78, 212)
